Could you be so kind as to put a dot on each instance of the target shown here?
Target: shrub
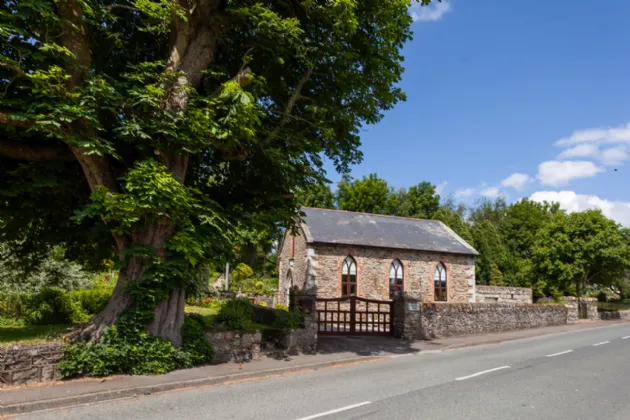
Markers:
(262, 303)
(145, 356)
(92, 300)
(236, 314)
(137, 355)
(242, 272)
(53, 306)
(13, 305)
(259, 288)
(287, 319)
(282, 307)
(195, 344)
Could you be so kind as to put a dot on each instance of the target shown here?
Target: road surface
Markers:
(572, 376)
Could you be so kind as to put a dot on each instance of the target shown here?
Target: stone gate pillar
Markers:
(407, 321)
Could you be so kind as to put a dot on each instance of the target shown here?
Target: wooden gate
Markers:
(354, 316)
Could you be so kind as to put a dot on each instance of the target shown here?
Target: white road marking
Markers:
(599, 344)
(339, 410)
(481, 373)
(559, 354)
(626, 337)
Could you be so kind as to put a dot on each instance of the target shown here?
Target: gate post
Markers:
(407, 317)
(353, 313)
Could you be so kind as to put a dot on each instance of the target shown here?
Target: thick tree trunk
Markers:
(169, 314)
(169, 317)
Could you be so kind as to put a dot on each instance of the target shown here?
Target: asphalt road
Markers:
(573, 376)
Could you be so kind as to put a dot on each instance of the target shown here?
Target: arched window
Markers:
(349, 277)
(395, 279)
(440, 282)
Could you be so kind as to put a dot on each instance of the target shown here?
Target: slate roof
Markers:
(364, 229)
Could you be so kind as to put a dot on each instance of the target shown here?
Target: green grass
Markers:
(12, 332)
(31, 334)
(210, 314)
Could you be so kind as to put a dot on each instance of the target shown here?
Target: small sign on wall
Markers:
(413, 306)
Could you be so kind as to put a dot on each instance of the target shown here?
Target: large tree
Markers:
(143, 130)
(369, 194)
(580, 249)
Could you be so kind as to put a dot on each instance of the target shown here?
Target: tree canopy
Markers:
(145, 131)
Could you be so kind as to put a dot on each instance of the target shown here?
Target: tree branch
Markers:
(290, 105)
(18, 150)
(6, 119)
(15, 68)
(120, 6)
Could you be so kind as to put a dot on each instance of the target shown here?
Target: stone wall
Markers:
(589, 308)
(444, 319)
(373, 266)
(612, 315)
(407, 318)
(290, 341)
(27, 364)
(499, 294)
(414, 320)
(235, 346)
(572, 310)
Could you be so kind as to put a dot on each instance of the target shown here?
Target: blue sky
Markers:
(521, 99)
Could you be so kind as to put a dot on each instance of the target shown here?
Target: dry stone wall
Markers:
(235, 346)
(612, 315)
(499, 294)
(27, 364)
(444, 320)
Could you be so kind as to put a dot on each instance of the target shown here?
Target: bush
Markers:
(282, 307)
(53, 306)
(139, 355)
(13, 305)
(242, 272)
(93, 300)
(145, 356)
(287, 319)
(195, 344)
(236, 314)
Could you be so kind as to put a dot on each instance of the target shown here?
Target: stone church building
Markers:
(339, 253)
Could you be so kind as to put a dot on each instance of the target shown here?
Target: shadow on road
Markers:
(367, 346)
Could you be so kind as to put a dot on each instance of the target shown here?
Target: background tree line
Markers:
(525, 243)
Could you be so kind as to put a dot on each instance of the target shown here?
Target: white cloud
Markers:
(490, 192)
(614, 155)
(440, 187)
(557, 173)
(572, 202)
(611, 135)
(464, 192)
(611, 156)
(580, 151)
(432, 12)
(484, 190)
(517, 181)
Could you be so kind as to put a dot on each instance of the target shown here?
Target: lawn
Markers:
(209, 314)
(31, 334)
(11, 333)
